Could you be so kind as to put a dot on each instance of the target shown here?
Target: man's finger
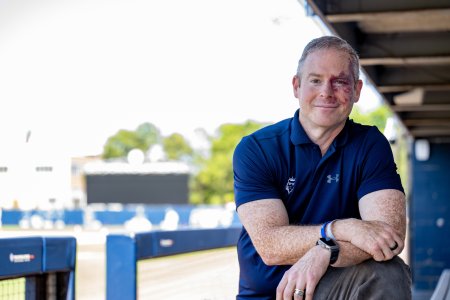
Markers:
(280, 288)
(289, 290)
(309, 293)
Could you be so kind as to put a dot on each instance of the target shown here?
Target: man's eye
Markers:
(341, 82)
(315, 81)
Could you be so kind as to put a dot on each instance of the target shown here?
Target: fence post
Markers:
(60, 253)
(121, 267)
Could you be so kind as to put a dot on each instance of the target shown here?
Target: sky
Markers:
(74, 72)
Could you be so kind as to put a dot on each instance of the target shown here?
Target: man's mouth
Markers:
(326, 105)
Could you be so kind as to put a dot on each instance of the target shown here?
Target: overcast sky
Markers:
(74, 72)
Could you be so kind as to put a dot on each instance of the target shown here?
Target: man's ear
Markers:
(295, 85)
(358, 88)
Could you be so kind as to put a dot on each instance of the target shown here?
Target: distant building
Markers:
(145, 183)
(34, 175)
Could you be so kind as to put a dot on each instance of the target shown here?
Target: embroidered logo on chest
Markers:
(290, 185)
(330, 178)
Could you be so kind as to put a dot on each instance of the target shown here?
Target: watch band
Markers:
(331, 246)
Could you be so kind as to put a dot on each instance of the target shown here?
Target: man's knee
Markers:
(388, 271)
(383, 280)
(368, 280)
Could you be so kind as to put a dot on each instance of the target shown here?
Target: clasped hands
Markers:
(376, 238)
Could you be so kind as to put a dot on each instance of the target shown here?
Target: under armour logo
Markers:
(331, 178)
(290, 185)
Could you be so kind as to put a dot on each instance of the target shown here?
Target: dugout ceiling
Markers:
(404, 47)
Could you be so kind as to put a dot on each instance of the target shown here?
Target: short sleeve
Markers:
(379, 170)
(253, 179)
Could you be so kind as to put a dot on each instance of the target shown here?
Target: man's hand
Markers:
(304, 274)
(377, 238)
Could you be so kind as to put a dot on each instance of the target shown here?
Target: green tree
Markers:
(148, 134)
(177, 147)
(123, 141)
(375, 117)
(213, 184)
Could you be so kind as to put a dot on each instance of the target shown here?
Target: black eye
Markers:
(341, 82)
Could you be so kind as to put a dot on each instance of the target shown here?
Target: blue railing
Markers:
(123, 251)
(37, 259)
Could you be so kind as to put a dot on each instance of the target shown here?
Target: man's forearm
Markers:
(285, 245)
(350, 255)
(275, 240)
(279, 252)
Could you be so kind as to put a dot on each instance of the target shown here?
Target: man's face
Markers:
(326, 90)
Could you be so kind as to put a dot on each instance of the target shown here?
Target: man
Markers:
(318, 195)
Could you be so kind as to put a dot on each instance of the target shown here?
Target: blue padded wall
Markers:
(430, 216)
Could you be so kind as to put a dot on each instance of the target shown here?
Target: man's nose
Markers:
(326, 90)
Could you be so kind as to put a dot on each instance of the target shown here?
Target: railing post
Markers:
(121, 267)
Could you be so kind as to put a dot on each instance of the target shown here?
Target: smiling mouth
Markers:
(326, 106)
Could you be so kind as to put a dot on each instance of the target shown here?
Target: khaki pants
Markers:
(366, 281)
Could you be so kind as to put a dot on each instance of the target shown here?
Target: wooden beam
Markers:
(426, 122)
(423, 108)
(425, 20)
(408, 87)
(391, 15)
(400, 61)
(429, 132)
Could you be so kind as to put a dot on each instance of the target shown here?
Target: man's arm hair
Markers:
(277, 242)
(388, 206)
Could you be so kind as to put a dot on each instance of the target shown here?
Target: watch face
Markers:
(332, 247)
(329, 242)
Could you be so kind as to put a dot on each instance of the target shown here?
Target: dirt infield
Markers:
(203, 275)
(91, 272)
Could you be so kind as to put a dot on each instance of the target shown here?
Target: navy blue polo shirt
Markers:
(281, 162)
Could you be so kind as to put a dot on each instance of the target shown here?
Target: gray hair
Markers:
(330, 42)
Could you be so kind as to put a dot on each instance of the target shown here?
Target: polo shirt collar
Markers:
(342, 137)
(299, 136)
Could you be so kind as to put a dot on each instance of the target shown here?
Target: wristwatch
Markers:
(331, 246)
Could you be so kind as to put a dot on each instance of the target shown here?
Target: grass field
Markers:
(12, 289)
